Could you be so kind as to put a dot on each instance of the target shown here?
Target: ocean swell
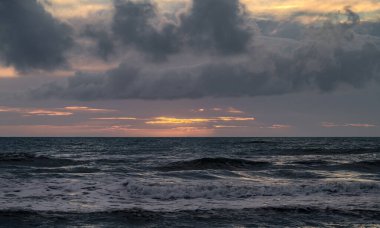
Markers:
(221, 190)
(215, 164)
(26, 159)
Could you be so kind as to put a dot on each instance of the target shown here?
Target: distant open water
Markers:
(195, 182)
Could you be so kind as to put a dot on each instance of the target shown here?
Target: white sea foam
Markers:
(106, 193)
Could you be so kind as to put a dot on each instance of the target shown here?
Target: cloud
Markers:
(278, 126)
(283, 8)
(173, 120)
(133, 25)
(217, 24)
(209, 25)
(234, 110)
(228, 126)
(74, 9)
(309, 67)
(164, 120)
(7, 72)
(357, 125)
(44, 112)
(230, 110)
(87, 109)
(114, 118)
(35, 112)
(325, 58)
(30, 38)
(105, 46)
(66, 111)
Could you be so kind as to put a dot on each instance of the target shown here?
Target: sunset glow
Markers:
(183, 68)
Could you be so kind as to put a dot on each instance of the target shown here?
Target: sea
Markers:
(190, 182)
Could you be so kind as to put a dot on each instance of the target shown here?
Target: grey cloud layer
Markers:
(226, 58)
(219, 24)
(306, 68)
(132, 24)
(30, 37)
(209, 25)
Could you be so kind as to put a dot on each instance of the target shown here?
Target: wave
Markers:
(261, 217)
(257, 142)
(312, 162)
(26, 159)
(214, 163)
(296, 174)
(220, 190)
(67, 170)
(324, 151)
(219, 212)
(363, 166)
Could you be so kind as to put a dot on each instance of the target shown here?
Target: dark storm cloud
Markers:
(218, 24)
(369, 28)
(132, 24)
(283, 75)
(105, 46)
(30, 37)
(323, 58)
(209, 25)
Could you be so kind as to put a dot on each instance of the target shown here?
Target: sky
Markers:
(190, 68)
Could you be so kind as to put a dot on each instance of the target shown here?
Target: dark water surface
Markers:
(195, 182)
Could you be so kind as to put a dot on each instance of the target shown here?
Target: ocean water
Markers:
(190, 182)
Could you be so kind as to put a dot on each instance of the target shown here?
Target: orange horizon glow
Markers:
(67, 9)
(173, 120)
(93, 130)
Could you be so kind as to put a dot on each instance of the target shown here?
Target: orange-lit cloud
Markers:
(283, 8)
(228, 126)
(67, 9)
(173, 120)
(8, 109)
(87, 109)
(230, 110)
(234, 111)
(44, 112)
(35, 112)
(7, 72)
(228, 118)
(114, 118)
(66, 111)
